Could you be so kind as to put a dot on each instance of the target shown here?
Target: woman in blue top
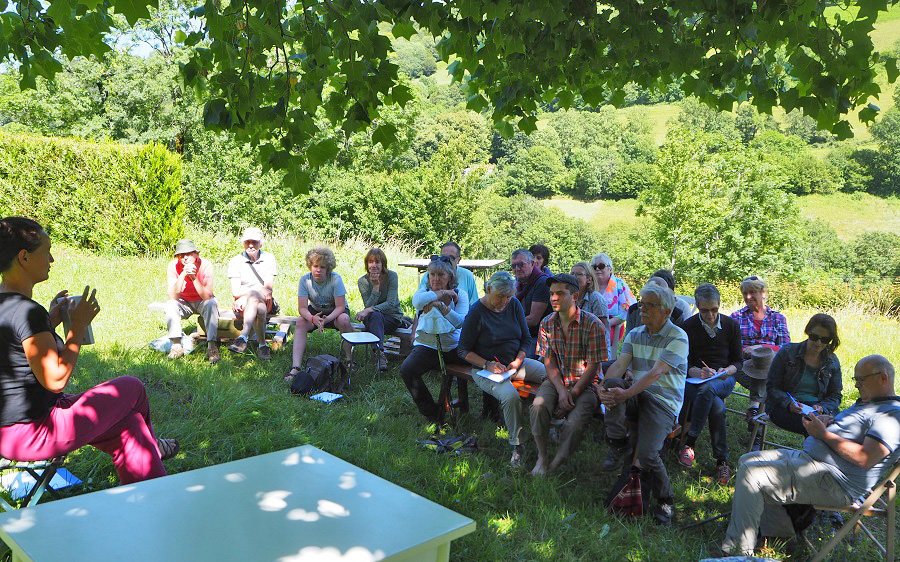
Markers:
(321, 303)
(805, 373)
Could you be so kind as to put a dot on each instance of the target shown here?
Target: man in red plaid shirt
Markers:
(573, 344)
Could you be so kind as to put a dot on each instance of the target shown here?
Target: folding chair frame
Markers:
(888, 485)
(42, 479)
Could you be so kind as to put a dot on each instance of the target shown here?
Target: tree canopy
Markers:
(294, 77)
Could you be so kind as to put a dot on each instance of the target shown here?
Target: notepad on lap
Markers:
(496, 377)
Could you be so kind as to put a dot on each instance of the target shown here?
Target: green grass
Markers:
(849, 214)
(241, 408)
(852, 214)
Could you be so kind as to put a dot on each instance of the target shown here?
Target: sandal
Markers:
(293, 372)
(168, 448)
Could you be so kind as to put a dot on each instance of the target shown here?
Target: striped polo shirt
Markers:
(669, 344)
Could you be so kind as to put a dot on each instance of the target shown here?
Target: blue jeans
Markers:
(707, 401)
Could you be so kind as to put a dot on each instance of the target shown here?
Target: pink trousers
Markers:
(114, 417)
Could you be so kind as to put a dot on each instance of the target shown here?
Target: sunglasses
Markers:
(599, 266)
(518, 265)
(445, 259)
(814, 338)
(752, 278)
(708, 310)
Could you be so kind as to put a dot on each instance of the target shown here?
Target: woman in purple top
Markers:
(37, 420)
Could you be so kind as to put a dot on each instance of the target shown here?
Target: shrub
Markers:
(876, 254)
(124, 199)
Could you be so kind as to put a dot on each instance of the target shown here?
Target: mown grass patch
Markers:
(242, 407)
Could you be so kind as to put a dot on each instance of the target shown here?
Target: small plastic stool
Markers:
(359, 338)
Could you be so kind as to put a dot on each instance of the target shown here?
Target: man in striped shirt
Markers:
(573, 344)
(657, 354)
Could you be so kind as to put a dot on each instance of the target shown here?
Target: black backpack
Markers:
(323, 373)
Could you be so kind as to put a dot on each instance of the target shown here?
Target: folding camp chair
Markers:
(41, 471)
(888, 509)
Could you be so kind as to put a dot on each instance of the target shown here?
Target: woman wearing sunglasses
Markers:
(805, 373)
(618, 299)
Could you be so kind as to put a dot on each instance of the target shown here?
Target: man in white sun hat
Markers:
(252, 275)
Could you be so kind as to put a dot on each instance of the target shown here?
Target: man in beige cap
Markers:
(190, 289)
(252, 275)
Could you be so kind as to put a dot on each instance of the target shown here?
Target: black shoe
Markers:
(614, 457)
(757, 443)
(238, 346)
(752, 412)
(664, 514)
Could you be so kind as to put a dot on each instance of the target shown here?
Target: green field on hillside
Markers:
(848, 214)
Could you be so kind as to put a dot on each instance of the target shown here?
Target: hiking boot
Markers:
(757, 442)
(686, 457)
(381, 361)
(614, 457)
(168, 448)
(239, 345)
(723, 473)
(664, 514)
(212, 352)
(518, 455)
(264, 353)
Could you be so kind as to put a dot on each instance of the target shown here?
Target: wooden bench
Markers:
(463, 373)
(278, 327)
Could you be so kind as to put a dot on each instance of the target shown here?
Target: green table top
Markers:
(297, 504)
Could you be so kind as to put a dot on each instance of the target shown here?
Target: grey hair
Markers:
(522, 252)
(501, 282)
(707, 292)
(665, 294)
(753, 284)
(604, 258)
(880, 363)
(438, 265)
(658, 281)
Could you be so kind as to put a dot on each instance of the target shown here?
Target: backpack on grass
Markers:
(323, 373)
(630, 495)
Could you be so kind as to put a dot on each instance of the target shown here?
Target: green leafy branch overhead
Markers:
(291, 77)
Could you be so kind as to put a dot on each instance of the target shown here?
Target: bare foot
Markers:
(539, 468)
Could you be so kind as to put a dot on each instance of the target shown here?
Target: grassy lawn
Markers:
(848, 214)
(241, 408)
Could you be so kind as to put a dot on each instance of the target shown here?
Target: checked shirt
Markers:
(773, 331)
(584, 343)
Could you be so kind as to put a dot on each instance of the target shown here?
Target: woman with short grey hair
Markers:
(618, 299)
(495, 340)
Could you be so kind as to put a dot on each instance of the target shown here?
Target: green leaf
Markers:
(180, 36)
(476, 102)
(133, 10)
(890, 67)
(212, 112)
(868, 113)
(842, 130)
(403, 29)
(298, 181)
(593, 96)
(401, 95)
(321, 153)
(90, 4)
(528, 124)
(385, 135)
(504, 128)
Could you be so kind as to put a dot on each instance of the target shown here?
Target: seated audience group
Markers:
(559, 332)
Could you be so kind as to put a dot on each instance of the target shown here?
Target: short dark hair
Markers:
(454, 245)
(666, 276)
(540, 250)
(17, 234)
(827, 322)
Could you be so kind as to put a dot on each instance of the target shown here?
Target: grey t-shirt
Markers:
(321, 296)
(878, 419)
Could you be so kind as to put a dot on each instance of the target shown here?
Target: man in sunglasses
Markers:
(842, 459)
(450, 253)
(531, 290)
